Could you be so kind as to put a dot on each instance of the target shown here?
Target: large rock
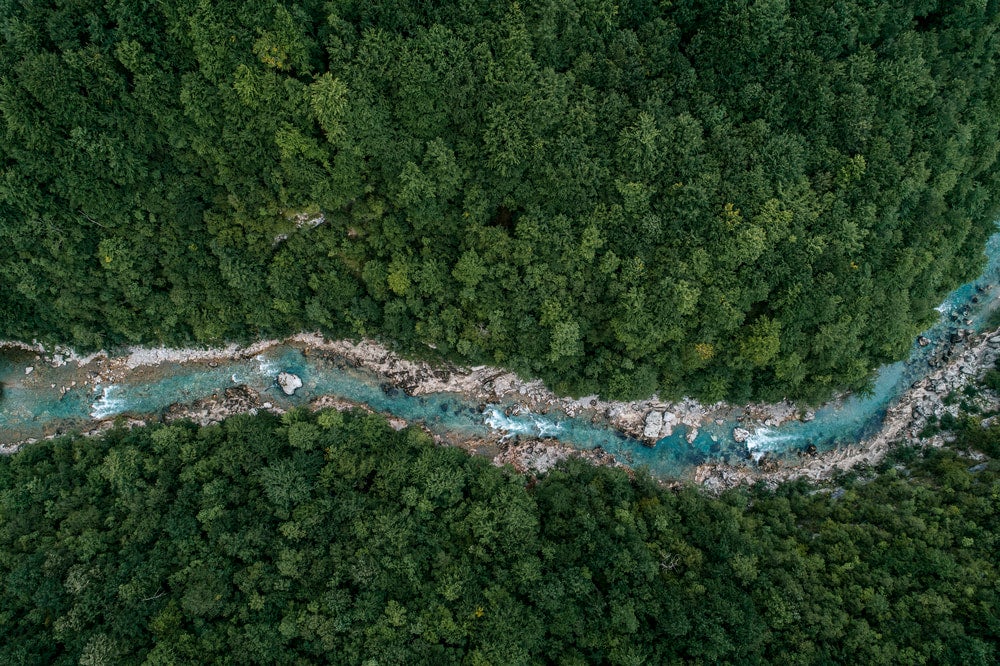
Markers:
(289, 382)
(669, 421)
(654, 421)
(740, 435)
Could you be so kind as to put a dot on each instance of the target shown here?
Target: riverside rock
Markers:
(740, 435)
(653, 424)
(669, 421)
(289, 382)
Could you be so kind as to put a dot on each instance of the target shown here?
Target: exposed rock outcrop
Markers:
(234, 400)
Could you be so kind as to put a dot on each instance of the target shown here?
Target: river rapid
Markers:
(48, 392)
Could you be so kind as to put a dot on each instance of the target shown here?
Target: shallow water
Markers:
(31, 407)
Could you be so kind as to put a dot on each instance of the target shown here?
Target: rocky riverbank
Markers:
(962, 362)
(646, 420)
(961, 359)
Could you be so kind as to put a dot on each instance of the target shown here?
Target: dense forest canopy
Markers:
(717, 198)
(333, 538)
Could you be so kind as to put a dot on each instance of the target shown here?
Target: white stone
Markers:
(654, 421)
(740, 435)
(28, 370)
(289, 382)
(669, 421)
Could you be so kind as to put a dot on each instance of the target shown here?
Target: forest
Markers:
(333, 538)
(717, 198)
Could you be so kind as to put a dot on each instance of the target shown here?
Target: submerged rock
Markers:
(289, 382)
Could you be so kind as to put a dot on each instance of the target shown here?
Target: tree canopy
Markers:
(331, 537)
(716, 198)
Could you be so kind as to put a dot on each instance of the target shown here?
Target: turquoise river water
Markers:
(32, 407)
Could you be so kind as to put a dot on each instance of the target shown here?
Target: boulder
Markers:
(740, 435)
(923, 341)
(669, 421)
(654, 421)
(288, 382)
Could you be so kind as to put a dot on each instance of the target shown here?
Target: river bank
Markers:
(485, 384)
(905, 422)
(647, 421)
(526, 455)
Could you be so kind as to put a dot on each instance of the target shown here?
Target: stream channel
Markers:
(33, 405)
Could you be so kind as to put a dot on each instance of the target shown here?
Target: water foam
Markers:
(767, 440)
(109, 404)
(267, 367)
(524, 423)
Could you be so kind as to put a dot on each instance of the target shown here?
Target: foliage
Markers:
(713, 198)
(333, 538)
